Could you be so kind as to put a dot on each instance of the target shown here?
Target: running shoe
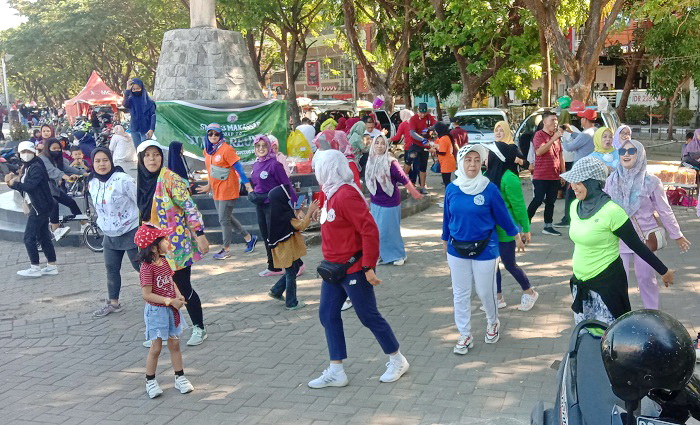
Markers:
(528, 301)
(562, 224)
(59, 233)
(300, 305)
(330, 379)
(183, 385)
(222, 255)
(395, 369)
(347, 305)
(268, 273)
(493, 333)
(153, 389)
(250, 245)
(107, 309)
(551, 231)
(464, 343)
(501, 304)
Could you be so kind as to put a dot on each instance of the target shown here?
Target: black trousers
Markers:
(37, 230)
(545, 191)
(263, 223)
(363, 164)
(66, 200)
(183, 280)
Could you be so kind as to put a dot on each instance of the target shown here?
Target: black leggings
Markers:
(446, 178)
(183, 280)
(66, 200)
(37, 231)
(263, 223)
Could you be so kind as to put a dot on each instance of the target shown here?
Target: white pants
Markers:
(483, 275)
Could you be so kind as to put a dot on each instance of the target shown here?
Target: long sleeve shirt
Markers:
(397, 176)
(512, 192)
(471, 218)
(115, 204)
(269, 174)
(349, 228)
(580, 144)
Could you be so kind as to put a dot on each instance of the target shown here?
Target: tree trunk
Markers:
(632, 68)
(438, 108)
(546, 68)
(672, 107)
(291, 97)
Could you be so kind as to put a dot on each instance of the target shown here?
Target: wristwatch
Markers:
(366, 269)
(168, 301)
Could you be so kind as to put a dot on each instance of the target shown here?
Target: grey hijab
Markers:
(595, 199)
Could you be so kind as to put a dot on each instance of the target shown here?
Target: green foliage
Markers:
(19, 133)
(636, 114)
(63, 41)
(682, 116)
(432, 71)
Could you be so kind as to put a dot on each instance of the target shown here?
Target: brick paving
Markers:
(58, 364)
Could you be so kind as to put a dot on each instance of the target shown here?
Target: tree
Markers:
(579, 67)
(673, 42)
(393, 24)
(633, 62)
(483, 36)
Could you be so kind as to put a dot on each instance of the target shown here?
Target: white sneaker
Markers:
(153, 389)
(501, 304)
(493, 333)
(49, 270)
(198, 336)
(183, 385)
(394, 369)
(400, 262)
(330, 379)
(441, 204)
(147, 343)
(33, 271)
(464, 343)
(528, 301)
(347, 305)
(59, 233)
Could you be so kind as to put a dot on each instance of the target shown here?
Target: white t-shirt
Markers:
(309, 132)
(374, 133)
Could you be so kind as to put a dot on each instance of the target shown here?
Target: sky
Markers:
(8, 16)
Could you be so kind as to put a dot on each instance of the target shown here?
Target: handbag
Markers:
(655, 239)
(336, 272)
(435, 168)
(470, 249)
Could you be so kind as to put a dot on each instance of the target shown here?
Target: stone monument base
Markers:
(205, 64)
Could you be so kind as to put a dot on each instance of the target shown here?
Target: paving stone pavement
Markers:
(58, 364)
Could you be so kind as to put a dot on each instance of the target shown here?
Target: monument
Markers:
(204, 63)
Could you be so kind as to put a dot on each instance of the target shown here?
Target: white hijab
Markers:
(378, 168)
(332, 171)
(477, 184)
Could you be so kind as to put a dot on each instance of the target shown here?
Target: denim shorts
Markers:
(160, 322)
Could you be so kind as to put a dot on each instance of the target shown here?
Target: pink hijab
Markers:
(336, 140)
(281, 158)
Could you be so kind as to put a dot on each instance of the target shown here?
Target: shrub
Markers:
(682, 116)
(635, 114)
(19, 133)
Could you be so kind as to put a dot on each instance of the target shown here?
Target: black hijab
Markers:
(442, 129)
(595, 199)
(496, 167)
(56, 157)
(112, 169)
(146, 184)
(280, 227)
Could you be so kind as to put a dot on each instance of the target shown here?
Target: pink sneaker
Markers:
(302, 269)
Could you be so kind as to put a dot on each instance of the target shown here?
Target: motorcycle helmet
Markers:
(644, 350)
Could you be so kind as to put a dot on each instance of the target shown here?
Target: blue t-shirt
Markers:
(610, 159)
(470, 218)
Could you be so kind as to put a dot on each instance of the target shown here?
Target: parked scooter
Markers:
(645, 357)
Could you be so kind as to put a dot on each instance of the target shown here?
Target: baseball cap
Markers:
(148, 143)
(423, 107)
(26, 146)
(588, 114)
(148, 233)
(588, 167)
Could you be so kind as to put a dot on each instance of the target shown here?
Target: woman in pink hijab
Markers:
(281, 158)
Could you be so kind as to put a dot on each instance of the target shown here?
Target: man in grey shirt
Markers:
(581, 145)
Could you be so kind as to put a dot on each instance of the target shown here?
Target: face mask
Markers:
(137, 93)
(57, 154)
(26, 156)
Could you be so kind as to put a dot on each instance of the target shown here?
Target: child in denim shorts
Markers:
(162, 310)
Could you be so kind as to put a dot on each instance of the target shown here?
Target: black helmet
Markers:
(645, 350)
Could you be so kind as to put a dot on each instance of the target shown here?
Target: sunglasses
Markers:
(630, 151)
(212, 133)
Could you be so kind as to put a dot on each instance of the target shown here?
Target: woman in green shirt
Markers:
(499, 172)
(599, 283)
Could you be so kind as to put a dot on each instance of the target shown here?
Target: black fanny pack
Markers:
(257, 198)
(470, 249)
(336, 272)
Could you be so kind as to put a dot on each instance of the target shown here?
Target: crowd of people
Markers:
(617, 214)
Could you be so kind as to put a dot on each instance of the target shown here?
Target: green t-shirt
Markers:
(512, 193)
(595, 245)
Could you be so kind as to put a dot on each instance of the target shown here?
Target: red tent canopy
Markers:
(95, 92)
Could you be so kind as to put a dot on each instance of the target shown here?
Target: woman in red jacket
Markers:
(347, 228)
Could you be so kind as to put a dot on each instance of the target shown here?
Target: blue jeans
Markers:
(361, 293)
(288, 282)
(138, 138)
(507, 250)
(113, 264)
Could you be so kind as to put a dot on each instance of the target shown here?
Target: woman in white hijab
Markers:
(382, 175)
(122, 147)
(473, 208)
(350, 237)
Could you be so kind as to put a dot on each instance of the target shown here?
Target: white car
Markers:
(480, 122)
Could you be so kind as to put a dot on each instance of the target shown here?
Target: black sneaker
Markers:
(562, 224)
(551, 231)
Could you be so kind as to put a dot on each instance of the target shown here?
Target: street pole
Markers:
(7, 95)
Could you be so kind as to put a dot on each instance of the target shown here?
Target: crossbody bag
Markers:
(656, 238)
(470, 249)
(336, 272)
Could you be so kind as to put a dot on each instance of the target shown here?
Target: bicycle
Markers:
(91, 234)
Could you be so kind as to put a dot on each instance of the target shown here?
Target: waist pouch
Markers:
(470, 249)
(257, 198)
(219, 173)
(336, 272)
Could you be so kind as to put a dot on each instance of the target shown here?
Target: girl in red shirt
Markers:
(347, 227)
(163, 303)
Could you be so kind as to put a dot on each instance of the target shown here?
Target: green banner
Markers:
(186, 122)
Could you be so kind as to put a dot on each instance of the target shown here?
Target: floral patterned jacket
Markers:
(174, 208)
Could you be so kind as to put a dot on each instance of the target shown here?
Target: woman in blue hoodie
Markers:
(142, 110)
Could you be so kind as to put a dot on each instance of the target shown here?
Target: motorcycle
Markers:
(586, 397)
